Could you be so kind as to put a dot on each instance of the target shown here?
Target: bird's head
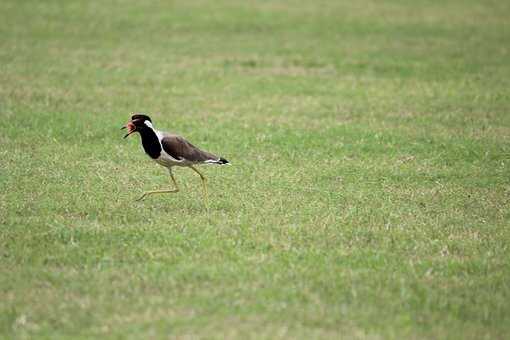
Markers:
(137, 123)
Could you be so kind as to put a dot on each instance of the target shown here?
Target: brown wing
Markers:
(180, 148)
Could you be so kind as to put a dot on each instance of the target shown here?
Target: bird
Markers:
(170, 150)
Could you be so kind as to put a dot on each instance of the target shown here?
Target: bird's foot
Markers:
(141, 197)
(147, 193)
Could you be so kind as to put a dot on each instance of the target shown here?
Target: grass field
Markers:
(369, 194)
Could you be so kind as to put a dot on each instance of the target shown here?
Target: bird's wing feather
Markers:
(180, 148)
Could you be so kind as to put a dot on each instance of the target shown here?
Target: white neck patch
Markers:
(148, 124)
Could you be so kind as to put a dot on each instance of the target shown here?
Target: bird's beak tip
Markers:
(130, 128)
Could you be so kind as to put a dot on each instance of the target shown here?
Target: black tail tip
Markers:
(223, 161)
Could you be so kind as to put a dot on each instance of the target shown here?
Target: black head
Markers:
(140, 117)
(137, 123)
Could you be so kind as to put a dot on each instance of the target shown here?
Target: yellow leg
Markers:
(204, 184)
(147, 193)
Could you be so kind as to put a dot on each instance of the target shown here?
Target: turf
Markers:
(369, 193)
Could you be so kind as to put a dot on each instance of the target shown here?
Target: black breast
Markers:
(150, 143)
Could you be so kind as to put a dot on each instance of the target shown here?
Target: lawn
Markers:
(369, 191)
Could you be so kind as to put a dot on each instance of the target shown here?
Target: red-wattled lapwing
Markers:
(170, 150)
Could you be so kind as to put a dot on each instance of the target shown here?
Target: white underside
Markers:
(168, 161)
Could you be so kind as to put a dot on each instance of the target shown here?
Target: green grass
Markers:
(369, 194)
